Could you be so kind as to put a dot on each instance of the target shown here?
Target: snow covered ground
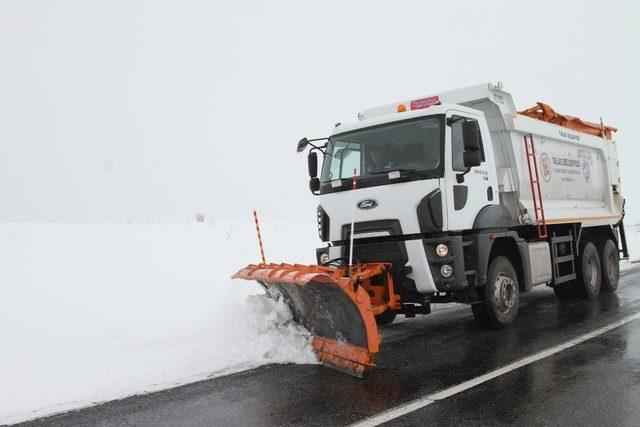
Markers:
(633, 240)
(94, 312)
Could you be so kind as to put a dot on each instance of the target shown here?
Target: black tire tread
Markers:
(588, 250)
(603, 251)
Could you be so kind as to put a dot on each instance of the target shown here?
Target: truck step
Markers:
(561, 239)
(564, 267)
(565, 258)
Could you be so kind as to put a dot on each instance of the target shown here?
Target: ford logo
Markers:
(367, 204)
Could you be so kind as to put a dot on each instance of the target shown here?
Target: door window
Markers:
(457, 144)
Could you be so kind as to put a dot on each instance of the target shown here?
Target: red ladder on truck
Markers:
(536, 193)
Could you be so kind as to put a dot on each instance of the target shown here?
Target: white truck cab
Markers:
(420, 165)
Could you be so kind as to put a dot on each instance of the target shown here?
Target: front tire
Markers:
(610, 262)
(501, 295)
(589, 272)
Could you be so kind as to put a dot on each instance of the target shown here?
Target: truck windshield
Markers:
(412, 146)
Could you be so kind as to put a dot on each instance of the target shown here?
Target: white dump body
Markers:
(578, 172)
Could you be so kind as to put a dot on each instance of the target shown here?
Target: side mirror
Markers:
(472, 158)
(471, 135)
(312, 161)
(302, 144)
(314, 185)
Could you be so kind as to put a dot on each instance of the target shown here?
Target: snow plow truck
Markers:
(454, 197)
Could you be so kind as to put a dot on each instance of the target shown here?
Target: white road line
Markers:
(407, 408)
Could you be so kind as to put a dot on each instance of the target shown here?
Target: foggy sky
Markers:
(157, 111)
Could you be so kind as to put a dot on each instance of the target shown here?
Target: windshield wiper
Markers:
(341, 182)
(411, 171)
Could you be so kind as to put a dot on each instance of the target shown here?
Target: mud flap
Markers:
(324, 301)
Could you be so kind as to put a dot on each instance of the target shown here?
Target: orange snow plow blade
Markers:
(339, 311)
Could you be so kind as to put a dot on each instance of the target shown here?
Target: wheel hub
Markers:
(505, 290)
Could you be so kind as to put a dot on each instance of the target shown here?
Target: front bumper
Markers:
(419, 255)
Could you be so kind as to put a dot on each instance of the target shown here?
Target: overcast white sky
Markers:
(157, 110)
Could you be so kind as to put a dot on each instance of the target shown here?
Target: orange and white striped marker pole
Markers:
(353, 220)
(255, 217)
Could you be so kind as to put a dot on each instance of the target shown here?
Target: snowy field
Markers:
(94, 312)
(633, 240)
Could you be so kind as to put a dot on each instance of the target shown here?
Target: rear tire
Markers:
(610, 262)
(385, 318)
(589, 272)
(500, 298)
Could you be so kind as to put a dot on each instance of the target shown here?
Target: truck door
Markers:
(467, 191)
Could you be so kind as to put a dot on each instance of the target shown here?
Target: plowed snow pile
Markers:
(94, 312)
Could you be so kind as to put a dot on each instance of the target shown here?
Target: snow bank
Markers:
(94, 312)
(633, 241)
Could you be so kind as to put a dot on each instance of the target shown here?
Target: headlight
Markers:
(446, 270)
(324, 258)
(442, 250)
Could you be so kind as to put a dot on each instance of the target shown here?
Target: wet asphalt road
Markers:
(592, 383)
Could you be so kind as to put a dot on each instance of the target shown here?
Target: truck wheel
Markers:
(385, 318)
(501, 294)
(589, 272)
(610, 262)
